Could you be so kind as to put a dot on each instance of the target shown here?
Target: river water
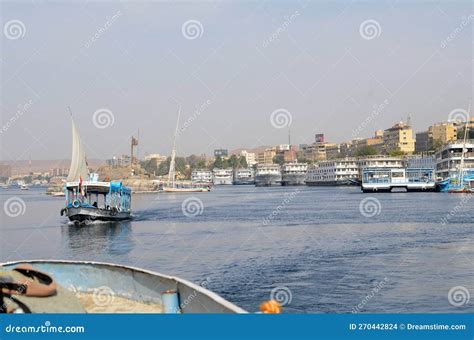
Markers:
(316, 249)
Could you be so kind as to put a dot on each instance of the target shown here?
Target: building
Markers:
(120, 161)
(437, 135)
(58, 172)
(221, 153)
(443, 132)
(399, 138)
(250, 157)
(155, 158)
(333, 151)
(424, 142)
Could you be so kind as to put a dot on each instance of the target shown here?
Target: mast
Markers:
(172, 172)
(461, 166)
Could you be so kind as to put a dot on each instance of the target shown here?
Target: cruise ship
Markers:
(293, 173)
(201, 177)
(222, 176)
(244, 176)
(448, 165)
(267, 175)
(333, 172)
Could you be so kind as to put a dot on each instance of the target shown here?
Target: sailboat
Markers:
(172, 186)
(88, 199)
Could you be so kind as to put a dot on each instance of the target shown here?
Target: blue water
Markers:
(316, 244)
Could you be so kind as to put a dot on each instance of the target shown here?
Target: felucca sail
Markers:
(78, 168)
(172, 172)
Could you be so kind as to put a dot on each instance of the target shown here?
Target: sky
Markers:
(244, 73)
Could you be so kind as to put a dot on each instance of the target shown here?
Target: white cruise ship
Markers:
(203, 177)
(293, 173)
(267, 175)
(448, 160)
(334, 172)
(244, 176)
(223, 176)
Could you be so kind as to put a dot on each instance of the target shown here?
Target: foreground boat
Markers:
(93, 287)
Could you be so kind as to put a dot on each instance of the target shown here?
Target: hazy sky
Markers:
(326, 63)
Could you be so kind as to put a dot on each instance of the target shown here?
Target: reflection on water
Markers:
(112, 238)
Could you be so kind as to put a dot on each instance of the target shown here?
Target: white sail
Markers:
(78, 166)
(172, 172)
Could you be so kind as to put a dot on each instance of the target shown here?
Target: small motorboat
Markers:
(24, 187)
(93, 287)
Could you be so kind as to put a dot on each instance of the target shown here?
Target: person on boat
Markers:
(94, 204)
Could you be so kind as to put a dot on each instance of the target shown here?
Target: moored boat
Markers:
(244, 177)
(293, 173)
(386, 179)
(222, 176)
(455, 166)
(268, 175)
(93, 287)
(173, 186)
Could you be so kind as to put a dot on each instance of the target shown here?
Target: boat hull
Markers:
(333, 183)
(115, 281)
(267, 180)
(178, 190)
(83, 214)
(243, 182)
(293, 179)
